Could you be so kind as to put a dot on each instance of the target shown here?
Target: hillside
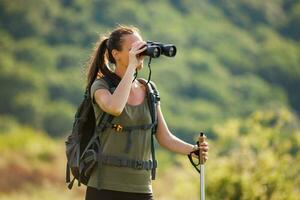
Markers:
(233, 58)
(236, 77)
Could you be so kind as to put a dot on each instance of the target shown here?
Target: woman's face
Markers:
(128, 40)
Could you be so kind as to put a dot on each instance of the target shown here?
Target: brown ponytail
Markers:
(99, 60)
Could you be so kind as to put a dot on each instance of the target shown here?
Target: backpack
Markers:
(83, 147)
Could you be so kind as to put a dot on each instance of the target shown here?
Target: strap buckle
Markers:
(139, 164)
(118, 127)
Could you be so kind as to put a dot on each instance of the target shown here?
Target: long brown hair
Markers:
(103, 53)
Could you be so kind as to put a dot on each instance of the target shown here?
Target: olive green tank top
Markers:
(116, 144)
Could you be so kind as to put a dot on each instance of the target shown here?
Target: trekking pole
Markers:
(202, 169)
(199, 166)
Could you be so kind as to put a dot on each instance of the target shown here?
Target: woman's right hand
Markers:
(134, 59)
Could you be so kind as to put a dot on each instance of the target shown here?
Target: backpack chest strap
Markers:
(129, 130)
(121, 128)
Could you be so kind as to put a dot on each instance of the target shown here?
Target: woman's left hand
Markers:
(204, 147)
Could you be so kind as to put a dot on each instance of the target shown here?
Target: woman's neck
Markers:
(120, 71)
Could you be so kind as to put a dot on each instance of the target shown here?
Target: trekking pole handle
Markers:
(202, 138)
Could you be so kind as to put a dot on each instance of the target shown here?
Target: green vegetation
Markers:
(252, 158)
(236, 76)
(229, 53)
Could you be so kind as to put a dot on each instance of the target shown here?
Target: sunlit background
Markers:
(236, 76)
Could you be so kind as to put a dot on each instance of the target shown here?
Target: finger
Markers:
(133, 45)
(204, 154)
(204, 148)
(194, 155)
(205, 158)
(204, 143)
(140, 60)
(137, 45)
(141, 57)
(141, 44)
(140, 50)
(137, 51)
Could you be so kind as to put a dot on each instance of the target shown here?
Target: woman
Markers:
(127, 103)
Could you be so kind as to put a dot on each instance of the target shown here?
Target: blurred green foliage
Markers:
(252, 158)
(233, 57)
(236, 76)
(25, 142)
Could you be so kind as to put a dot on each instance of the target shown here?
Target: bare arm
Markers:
(115, 103)
(169, 141)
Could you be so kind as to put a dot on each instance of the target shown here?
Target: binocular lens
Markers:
(169, 50)
(154, 50)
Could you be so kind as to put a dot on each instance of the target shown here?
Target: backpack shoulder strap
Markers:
(153, 99)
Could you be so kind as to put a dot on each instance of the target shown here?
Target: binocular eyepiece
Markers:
(155, 49)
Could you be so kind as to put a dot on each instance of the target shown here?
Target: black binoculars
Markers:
(155, 49)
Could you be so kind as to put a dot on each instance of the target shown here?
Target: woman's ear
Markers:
(115, 54)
